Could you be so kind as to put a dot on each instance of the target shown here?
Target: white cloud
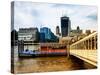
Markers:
(28, 14)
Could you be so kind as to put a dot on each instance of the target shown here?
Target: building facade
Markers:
(65, 26)
(88, 32)
(42, 37)
(28, 34)
(76, 32)
(45, 33)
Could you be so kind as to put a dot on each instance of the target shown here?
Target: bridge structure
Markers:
(86, 49)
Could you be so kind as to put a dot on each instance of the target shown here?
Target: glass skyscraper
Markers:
(65, 26)
(46, 35)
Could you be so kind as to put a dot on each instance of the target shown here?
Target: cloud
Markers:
(92, 17)
(29, 14)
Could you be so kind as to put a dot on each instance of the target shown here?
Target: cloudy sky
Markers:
(29, 14)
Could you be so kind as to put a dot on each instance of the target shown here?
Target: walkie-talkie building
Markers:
(65, 26)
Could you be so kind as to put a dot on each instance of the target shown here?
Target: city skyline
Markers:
(48, 37)
(39, 15)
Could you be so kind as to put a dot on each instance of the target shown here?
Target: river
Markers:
(48, 64)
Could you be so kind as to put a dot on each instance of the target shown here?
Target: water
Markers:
(48, 64)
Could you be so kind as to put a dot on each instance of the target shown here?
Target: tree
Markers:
(14, 35)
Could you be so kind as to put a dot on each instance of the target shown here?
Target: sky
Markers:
(30, 14)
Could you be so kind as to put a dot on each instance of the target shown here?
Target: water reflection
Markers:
(47, 64)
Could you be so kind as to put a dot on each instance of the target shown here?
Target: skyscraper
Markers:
(46, 35)
(46, 31)
(65, 26)
(57, 30)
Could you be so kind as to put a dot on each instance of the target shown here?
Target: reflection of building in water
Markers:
(28, 34)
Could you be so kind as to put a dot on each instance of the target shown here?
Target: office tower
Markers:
(65, 26)
(47, 34)
(57, 30)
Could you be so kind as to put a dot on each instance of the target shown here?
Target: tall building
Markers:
(46, 32)
(57, 30)
(58, 34)
(46, 35)
(42, 37)
(65, 26)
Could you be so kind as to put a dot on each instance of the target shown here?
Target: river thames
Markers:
(48, 64)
